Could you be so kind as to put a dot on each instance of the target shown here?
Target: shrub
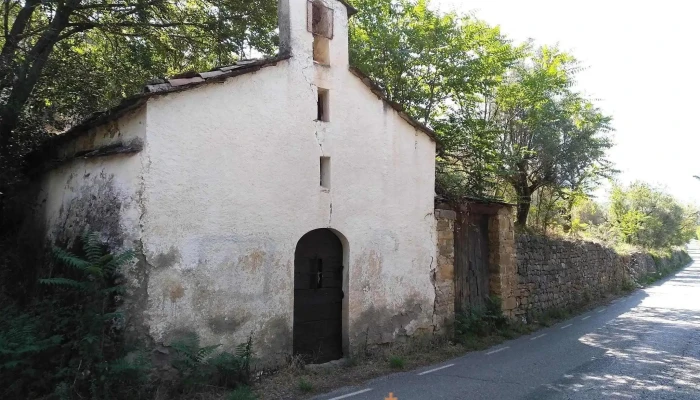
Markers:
(628, 285)
(397, 362)
(200, 366)
(305, 386)
(482, 321)
(242, 393)
(68, 342)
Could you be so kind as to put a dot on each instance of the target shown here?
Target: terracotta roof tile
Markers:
(185, 81)
(190, 80)
(159, 87)
(211, 74)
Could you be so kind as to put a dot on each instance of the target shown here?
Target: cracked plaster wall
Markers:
(232, 184)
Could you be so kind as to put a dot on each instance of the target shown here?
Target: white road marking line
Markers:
(537, 337)
(436, 369)
(566, 326)
(585, 318)
(600, 311)
(496, 351)
(345, 396)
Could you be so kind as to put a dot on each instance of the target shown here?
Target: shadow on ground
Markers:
(650, 351)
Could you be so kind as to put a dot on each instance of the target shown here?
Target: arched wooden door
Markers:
(318, 297)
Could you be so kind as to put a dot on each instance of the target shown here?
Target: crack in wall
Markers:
(143, 266)
(433, 281)
(318, 140)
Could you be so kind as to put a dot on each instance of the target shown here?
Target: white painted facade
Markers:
(228, 182)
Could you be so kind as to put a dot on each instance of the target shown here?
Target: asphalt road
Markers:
(644, 346)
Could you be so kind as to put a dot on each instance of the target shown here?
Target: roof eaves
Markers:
(351, 10)
(163, 88)
(379, 92)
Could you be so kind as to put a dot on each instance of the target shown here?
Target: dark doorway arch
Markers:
(318, 297)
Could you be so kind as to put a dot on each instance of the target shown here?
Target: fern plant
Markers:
(202, 366)
(98, 267)
(84, 297)
(66, 343)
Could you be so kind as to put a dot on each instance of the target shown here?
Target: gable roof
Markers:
(177, 83)
(190, 80)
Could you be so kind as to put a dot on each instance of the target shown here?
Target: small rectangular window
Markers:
(319, 19)
(326, 172)
(323, 106)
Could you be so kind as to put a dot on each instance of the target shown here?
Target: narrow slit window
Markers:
(325, 172)
(323, 105)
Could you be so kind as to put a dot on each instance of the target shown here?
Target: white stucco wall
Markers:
(103, 195)
(97, 193)
(228, 182)
(232, 183)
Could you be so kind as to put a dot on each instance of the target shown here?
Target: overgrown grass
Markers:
(628, 285)
(397, 362)
(483, 327)
(661, 273)
(551, 317)
(242, 393)
(305, 386)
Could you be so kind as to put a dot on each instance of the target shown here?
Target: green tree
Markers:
(444, 68)
(548, 135)
(644, 215)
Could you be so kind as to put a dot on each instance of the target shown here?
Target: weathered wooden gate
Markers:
(471, 260)
(318, 297)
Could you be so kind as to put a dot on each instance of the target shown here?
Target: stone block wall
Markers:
(502, 262)
(555, 273)
(443, 274)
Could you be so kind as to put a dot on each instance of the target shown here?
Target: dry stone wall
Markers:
(556, 273)
(443, 275)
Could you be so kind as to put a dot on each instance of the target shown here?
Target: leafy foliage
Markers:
(200, 366)
(242, 393)
(305, 386)
(396, 362)
(62, 61)
(646, 216)
(507, 115)
(69, 341)
(481, 322)
(636, 216)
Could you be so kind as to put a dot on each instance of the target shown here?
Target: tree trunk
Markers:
(524, 191)
(524, 203)
(29, 74)
(13, 39)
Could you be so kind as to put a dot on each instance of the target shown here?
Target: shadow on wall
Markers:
(644, 350)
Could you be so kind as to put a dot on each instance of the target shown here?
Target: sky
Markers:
(642, 66)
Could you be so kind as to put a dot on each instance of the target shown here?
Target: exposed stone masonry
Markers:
(503, 281)
(558, 273)
(443, 275)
